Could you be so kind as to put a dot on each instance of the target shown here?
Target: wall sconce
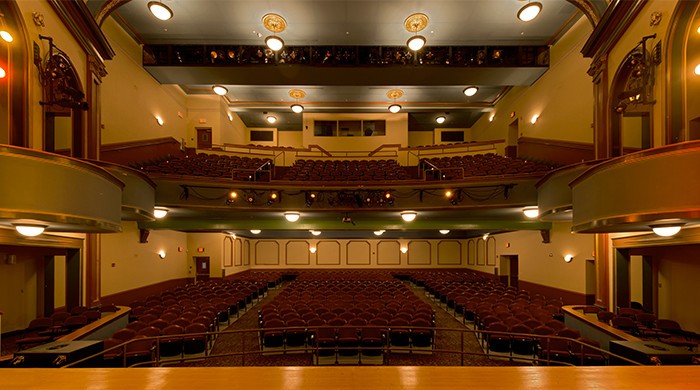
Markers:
(531, 211)
(408, 215)
(534, 118)
(697, 70)
(666, 230)
(292, 216)
(310, 198)
(161, 254)
(159, 121)
(160, 212)
(3, 73)
(568, 258)
(29, 230)
(486, 236)
(491, 117)
(313, 249)
(404, 249)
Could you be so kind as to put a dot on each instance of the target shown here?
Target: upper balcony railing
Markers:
(343, 56)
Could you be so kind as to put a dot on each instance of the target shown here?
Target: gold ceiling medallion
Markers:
(297, 94)
(416, 22)
(274, 23)
(394, 94)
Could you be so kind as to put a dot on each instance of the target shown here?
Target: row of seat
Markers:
(345, 170)
(213, 165)
(489, 164)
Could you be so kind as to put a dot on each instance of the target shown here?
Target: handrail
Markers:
(324, 151)
(383, 146)
(388, 348)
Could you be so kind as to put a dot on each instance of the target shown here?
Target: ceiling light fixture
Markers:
(444, 231)
(292, 216)
(160, 212)
(529, 11)
(271, 119)
(394, 94)
(297, 94)
(255, 231)
(275, 24)
(379, 232)
(160, 10)
(415, 23)
(297, 108)
(220, 90)
(408, 215)
(666, 230)
(315, 232)
(29, 230)
(470, 90)
(441, 119)
(531, 211)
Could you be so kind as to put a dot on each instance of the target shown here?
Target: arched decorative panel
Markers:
(471, 252)
(419, 253)
(480, 252)
(449, 252)
(388, 253)
(238, 252)
(228, 251)
(246, 253)
(328, 253)
(267, 252)
(358, 253)
(491, 251)
(297, 253)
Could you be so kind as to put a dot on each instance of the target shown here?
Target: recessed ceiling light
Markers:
(408, 215)
(220, 90)
(315, 232)
(379, 232)
(160, 10)
(529, 11)
(292, 216)
(531, 211)
(444, 231)
(471, 90)
(160, 212)
(441, 119)
(255, 231)
(271, 119)
(666, 230)
(29, 230)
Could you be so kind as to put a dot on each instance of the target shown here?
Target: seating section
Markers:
(478, 165)
(62, 322)
(184, 313)
(345, 170)
(213, 166)
(342, 312)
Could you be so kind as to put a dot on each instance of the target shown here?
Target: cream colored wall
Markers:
(356, 253)
(207, 111)
(543, 263)
(126, 264)
(18, 292)
(636, 281)
(678, 292)
(53, 27)
(140, 98)
(294, 139)
(59, 291)
(396, 132)
(237, 132)
(563, 97)
(420, 138)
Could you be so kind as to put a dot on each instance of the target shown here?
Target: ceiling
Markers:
(427, 92)
(352, 23)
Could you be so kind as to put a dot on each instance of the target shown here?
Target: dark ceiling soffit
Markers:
(77, 18)
(615, 21)
(293, 75)
(107, 8)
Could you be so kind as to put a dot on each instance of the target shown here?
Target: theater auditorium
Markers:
(345, 194)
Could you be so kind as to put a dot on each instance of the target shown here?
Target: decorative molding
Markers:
(238, 254)
(615, 22)
(416, 243)
(228, 239)
(106, 9)
(319, 252)
(471, 252)
(348, 251)
(491, 251)
(305, 244)
(447, 243)
(246, 253)
(276, 259)
(77, 18)
(591, 12)
(396, 249)
(480, 252)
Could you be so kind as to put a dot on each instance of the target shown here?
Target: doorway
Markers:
(203, 270)
(509, 270)
(512, 140)
(204, 138)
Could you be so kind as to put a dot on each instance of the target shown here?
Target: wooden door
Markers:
(204, 138)
(203, 269)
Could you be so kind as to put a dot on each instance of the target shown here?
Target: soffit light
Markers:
(275, 24)
(160, 212)
(666, 230)
(470, 90)
(415, 23)
(394, 94)
(531, 211)
(30, 230)
(292, 216)
(271, 119)
(441, 119)
(529, 11)
(160, 10)
(379, 232)
(408, 215)
(255, 231)
(444, 231)
(297, 94)
(220, 90)
(315, 232)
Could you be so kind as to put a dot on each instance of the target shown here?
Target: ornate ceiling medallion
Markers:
(274, 23)
(416, 22)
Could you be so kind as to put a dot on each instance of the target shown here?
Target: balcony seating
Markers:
(478, 165)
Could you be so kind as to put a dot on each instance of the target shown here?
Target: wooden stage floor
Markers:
(357, 378)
